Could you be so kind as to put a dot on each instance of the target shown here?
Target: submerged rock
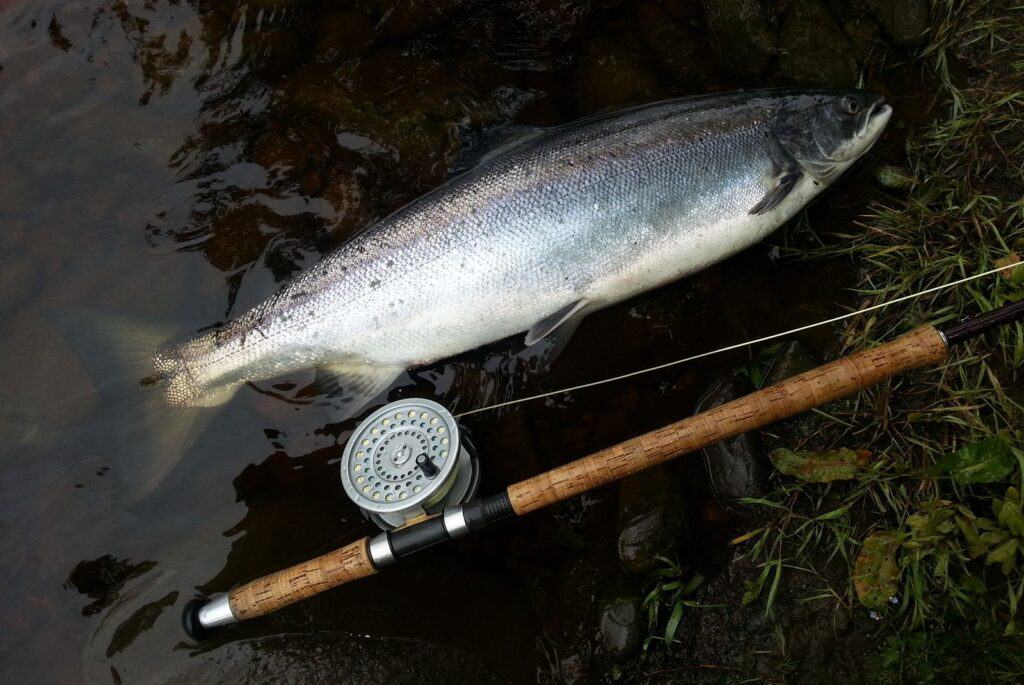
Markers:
(742, 34)
(410, 18)
(272, 51)
(622, 626)
(652, 518)
(906, 22)
(736, 467)
(813, 49)
(670, 41)
(611, 76)
(102, 579)
(139, 622)
(343, 36)
(684, 10)
(329, 658)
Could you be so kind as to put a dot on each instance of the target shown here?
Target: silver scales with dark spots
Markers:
(538, 235)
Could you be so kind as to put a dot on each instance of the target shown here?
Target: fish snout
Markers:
(876, 117)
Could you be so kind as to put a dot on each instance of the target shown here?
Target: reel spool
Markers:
(408, 460)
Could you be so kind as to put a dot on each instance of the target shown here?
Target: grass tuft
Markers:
(959, 566)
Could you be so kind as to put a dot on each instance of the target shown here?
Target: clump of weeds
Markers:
(928, 521)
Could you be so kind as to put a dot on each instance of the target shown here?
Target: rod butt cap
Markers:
(190, 620)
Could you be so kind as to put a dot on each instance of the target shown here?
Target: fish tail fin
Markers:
(145, 434)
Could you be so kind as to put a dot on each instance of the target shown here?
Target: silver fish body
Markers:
(577, 218)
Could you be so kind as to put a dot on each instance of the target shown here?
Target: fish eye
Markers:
(850, 105)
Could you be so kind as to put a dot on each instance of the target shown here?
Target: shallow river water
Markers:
(177, 162)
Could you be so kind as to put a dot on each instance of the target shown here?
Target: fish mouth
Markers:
(876, 119)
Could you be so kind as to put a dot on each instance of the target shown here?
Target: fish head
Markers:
(827, 132)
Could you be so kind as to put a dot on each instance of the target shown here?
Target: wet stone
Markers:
(652, 518)
(622, 626)
(329, 658)
(864, 37)
(906, 22)
(894, 177)
(792, 358)
(684, 10)
(677, 52)
(742, 34)
(813, 49)
(737, 467)
(280, 147)
(408, 18)
(611, 76)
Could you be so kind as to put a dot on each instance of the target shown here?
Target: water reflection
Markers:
(178, 162)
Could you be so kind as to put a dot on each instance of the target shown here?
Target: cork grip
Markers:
(280, 589)
(921, 347)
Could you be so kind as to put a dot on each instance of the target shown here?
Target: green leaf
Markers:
(693, 584)
(817, 467)
(673, 623)
(775, 586)
(932, 520)
(834, 514)
(757, 369)
(1004, 555)
(754, 587)
(972, 584)
(875, 573)
(1009, 514)
(942, 564)
(976, 543)
(986, 461)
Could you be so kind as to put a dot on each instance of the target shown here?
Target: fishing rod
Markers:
(409, 469)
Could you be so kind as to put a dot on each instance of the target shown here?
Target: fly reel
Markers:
(408, 460)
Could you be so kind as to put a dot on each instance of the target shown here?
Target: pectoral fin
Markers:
(783, 186)
(549, 324)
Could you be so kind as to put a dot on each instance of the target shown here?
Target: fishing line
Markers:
(737, 346)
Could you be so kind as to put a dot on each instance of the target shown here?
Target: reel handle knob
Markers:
(428, 467)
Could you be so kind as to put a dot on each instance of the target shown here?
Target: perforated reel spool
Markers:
(407, 460)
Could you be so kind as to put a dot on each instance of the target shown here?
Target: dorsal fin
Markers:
(481, 145)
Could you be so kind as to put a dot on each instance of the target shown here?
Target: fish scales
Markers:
(575, 219)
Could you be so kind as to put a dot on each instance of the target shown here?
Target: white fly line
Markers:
(728, 348)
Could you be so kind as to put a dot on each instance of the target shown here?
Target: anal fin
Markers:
(783, 187)
(356, 383)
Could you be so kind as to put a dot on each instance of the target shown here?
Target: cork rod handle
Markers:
(921, 347)
(270, 593)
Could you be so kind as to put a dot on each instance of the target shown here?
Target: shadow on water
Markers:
(179, 161)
